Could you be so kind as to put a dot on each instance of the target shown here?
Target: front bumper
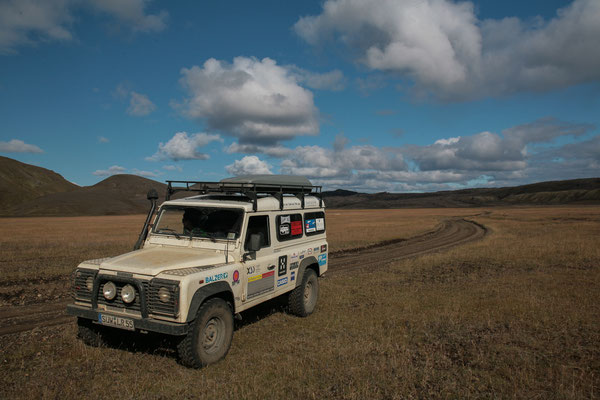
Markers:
(146, 324)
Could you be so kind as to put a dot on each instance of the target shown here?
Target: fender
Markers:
(305, 263)
(203, 293)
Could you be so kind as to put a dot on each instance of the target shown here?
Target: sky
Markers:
(367, 95)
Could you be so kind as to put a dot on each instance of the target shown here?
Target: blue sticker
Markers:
(310, 225)
(322, 259)
(293, 275)
(217, 277)
(282, 281)
(99, 317)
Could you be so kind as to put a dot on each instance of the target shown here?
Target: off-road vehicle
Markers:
(205, 259)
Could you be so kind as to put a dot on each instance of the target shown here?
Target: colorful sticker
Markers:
(236, 278)
(261, 276)
(323, 248)
(293, 265)
(251, 269)
(311, 226)
(296, 228)
(216, 277)
(309, 251)
(320, 224)
(284, 230)
(293, 275)
(322, 259)
(282, 281)
(316, 249)
(294, 257)
(282, 270)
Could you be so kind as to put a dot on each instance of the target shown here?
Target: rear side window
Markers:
(314, 223)
(289, 226)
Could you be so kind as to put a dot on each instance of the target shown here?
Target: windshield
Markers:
(204, 222)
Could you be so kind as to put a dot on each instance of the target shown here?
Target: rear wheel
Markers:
(210, 335)
(303, 299)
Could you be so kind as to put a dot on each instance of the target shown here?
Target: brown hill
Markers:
(116, 195)
(20, 182)
(575, 191)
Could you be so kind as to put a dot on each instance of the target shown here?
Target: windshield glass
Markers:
(204, 222)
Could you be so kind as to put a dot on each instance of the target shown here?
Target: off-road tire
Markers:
(90, 334)
(303, 299)
(209, 337)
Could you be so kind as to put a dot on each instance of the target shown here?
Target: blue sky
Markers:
(370, 95)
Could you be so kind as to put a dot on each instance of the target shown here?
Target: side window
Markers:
(289, 226)
(314, 223)
(258, 224)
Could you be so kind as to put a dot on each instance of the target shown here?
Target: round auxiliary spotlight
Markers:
(109, 290)
(128, 294)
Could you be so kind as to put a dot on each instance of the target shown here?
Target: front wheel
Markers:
(209, 338)
(303, 299)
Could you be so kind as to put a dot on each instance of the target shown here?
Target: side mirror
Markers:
(254, 244)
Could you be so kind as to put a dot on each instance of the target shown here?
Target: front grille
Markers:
(118, 301)
(155, 306)
(80, 289)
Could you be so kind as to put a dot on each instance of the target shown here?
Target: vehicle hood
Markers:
(159, 259)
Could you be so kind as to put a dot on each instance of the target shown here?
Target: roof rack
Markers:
(249, 189)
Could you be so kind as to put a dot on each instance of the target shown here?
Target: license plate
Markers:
(117, 322)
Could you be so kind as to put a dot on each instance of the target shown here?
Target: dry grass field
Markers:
(515, 315)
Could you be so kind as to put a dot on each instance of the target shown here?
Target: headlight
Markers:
(128, 294)
(110, 290)
(89, 283)
(164, 295)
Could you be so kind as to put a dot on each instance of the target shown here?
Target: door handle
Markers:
(272, 267)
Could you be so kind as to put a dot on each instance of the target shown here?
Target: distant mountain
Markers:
(20, 182)
(575, 191)
(27, 190)
(116, 195)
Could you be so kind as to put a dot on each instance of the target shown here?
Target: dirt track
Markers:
(449, 233)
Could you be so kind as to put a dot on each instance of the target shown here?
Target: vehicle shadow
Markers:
(166, 346)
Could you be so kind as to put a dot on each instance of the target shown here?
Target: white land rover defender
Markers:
(204, 260)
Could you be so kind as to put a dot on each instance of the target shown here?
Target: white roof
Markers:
(267, 203)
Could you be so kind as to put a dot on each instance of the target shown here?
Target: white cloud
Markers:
(118, 170)
(450, 53)
(172, 168)
(521, 154)
(184, 147)
(332, 80)
(249, 165)
(140, 105)
(131, 13)
(19, 146)
(28, 22)
(102, 139)
(114, 170)
(256, 100)
(145, 174)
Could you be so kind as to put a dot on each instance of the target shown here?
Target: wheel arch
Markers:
(308, 263)
(217, 289)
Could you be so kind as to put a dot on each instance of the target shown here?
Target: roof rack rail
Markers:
(248, 189)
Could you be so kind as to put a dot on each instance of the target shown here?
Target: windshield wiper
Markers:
(171, 231)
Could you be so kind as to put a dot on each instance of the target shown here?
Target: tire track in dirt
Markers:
(449, 233)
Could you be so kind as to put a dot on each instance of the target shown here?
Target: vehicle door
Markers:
(260, 267)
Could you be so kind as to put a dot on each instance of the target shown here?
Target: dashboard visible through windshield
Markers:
(202, 222)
